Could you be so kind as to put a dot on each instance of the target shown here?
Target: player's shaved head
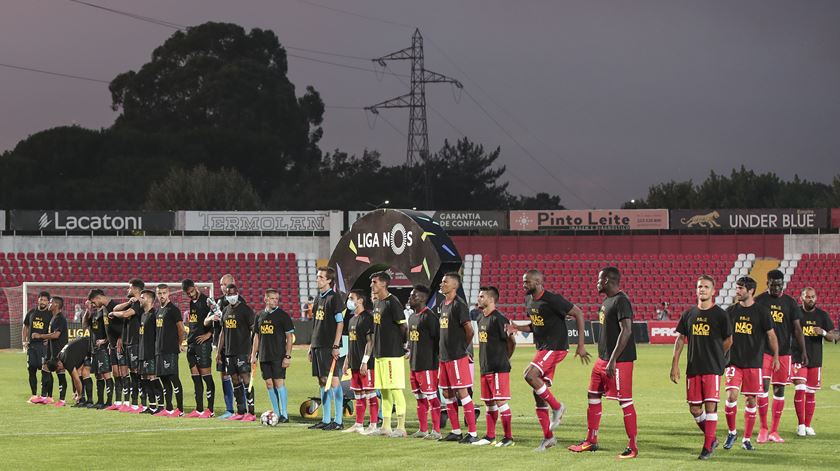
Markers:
(532, 282)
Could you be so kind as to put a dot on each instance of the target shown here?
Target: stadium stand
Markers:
(254, 272)
(818, 271)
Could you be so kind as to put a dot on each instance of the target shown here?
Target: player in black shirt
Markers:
(708, 333)
(752, 329)
(612, 375)
(56, 340)
(816, 325)
(325, 347)
(100, 357)
(129, 313)
(786, 322)
(548, 312)
(152, 386)
(496, 346)
(169, 340)
(218, 306)
(113, 332)
(273, 341)
(360, 361)
(37, 320)
(235, 348)
(72, 358)
(200, 349)
(424, 359)
(389, 336)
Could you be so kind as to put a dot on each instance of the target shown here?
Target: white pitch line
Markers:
(149, 430)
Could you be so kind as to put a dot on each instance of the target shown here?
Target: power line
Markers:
(337, 64)
(357, 15)
(56, 74)
(148, 19)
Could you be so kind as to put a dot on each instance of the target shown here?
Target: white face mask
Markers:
(232, 299)
(351, 305)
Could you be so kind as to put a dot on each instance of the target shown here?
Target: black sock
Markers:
(249, 394)
(109, 390)
(211, 390)
(118, 383)
(46, 384)
(62, 385)
(126, 388)
(33, 380)
(167, 391)
(135, 388)
(178, 389)
(100, 391)
(238, 393)
(198, 387)
(87, 388)
(144, 391)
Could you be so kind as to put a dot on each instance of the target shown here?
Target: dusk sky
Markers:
(595, 100)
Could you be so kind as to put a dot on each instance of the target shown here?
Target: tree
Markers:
(201, 189)
(539, 201)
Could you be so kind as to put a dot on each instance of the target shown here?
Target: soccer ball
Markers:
(269, 418)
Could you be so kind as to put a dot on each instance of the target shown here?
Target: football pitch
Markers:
(45, 437)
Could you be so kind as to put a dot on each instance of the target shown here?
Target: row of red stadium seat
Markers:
(120, 256)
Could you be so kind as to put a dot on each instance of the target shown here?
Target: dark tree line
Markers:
(213, 122)
(742, 189)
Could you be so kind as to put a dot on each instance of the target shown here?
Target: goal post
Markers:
(21, 299)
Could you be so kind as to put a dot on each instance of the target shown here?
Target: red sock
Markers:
(452, 410)
(731, 414)
(469, 414)
(593, 420)
(374, 408)
(799, 405)
(630, 424)
(810, 405)
(422, 413)
(545, 422)
(545, 394)
(711, 428)
(700, 420)
(434, 405)
(778, 407)
(749, 422)
(763, 403)
(492, 417)
(360, 411)
(505, 414)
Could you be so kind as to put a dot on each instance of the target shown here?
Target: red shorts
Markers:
(747, 380)
(780, 376)
(361, 383)
(456, 374)
(619, 387)
(424, 382)
(546, 361)
(811, 376)
(702, 388)
(495, 387)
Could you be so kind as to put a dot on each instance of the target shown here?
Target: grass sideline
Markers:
(43, 437)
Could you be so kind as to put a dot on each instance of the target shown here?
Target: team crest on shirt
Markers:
(377, 317)
(414, 335)
(444, 322)
(482, 337)
(601, 315)
(319, 314)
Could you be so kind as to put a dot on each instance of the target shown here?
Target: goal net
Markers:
(21, 299)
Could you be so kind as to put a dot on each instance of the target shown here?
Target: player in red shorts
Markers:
(548, 312)
(455, 370)
(496, 346)
(752, 328)
(612, 375)
(816, 325)
(360, 359)
(708, 333)
(786, 316)
(423, 339)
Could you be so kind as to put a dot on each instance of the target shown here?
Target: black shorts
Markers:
(272, 369)
(86, 362)
(101, 362)
(237, 364)
(167, 364)
(199, 354)
(148, 367)
(132, 353)
(117, 359)
(36, 354)
(322, 360)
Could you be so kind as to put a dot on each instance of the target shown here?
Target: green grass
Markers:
(41, 437)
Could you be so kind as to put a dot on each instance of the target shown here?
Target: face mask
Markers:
(351, 305)
(232, 299)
